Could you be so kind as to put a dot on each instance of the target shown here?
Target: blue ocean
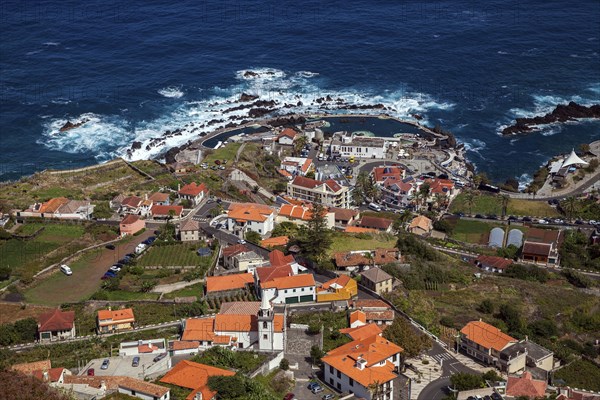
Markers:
(133, 70)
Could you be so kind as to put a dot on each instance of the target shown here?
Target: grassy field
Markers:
(347, 242)
(196, 289)
(487, 204)
(173, 255)
(477, 232)
(227, 152)
(33, 255)
(580, 374)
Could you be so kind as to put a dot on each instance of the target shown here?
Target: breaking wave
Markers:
(171, 92)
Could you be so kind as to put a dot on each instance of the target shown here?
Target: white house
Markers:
(289, 289)
(350, 145)
(286, 137)
(193, 192)
(244, 217)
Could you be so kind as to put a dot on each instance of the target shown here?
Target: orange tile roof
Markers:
(362, 332)
(486, 335)
(421, 222)
(53, 205)
(225, 339)
(440, 186)
(358, 316)
(382, 173)
(275, 241)
(228, 282)
(284, 173)
(341, 281)
(116, 315)
(164, 210)
(385, 315)
(131, 201)
(287, 132)
(193, 189)
(362, 304)
(195, 376)
(159, 197)
(184, 345)
(307, 165)
(494, 262)
(54, 374)
(373, 350)
(130, 219)
(56, 320)
(526, 386)
(249, 212)
(265, 274)
(350, 259)
(295, 212)
(306, 182)
(199, 329)
(375, 223)
(289, 282)
(147, 348)
(278, 259)
(235, 323)
(358, 229)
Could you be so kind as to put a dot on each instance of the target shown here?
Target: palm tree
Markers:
(470, 201)
(299, 144)
(570, 204)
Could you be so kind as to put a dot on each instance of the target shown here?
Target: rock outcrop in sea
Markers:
(70, 125)
(562, 113)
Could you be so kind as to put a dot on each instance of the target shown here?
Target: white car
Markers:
(65, 269)
(241, 241)
(543, 222)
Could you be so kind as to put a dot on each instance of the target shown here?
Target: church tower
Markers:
(265, 324)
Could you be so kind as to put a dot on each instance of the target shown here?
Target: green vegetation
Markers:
(470, 231)
(172, 255)
(314, 237)
(196, 289)
(239, 387)
(348, 242)
(464, 381)
(581, 374)
(242, 361)
(402, 333)
(22, 331)
(15, 385)
(576, 252)
(262, 167)
(488, 204)
(329, 322)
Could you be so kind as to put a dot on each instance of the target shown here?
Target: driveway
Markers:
(59, 288)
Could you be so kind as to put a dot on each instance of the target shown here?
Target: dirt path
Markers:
(59, 288)
(171, 287)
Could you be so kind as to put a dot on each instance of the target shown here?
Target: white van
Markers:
(140, 248)
(66, 270)
(375, 207)
(321, 156)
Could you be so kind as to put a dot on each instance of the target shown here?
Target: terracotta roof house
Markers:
(295, 166)
(493, 263)
(244, 217)
(162, 199)
(344, 216)
(224, 284)
(56, 325)
(358, 259)
(61, 208)
(381, 174)
(420, 225)
(193, 192)
(43, 371)
(191, 375)
(189, 231)
(381, 224)
(278, 259)
(300, 215)
(286, 137)
(484, 341)
(164, 212)
(541, 246)
(361, 331)
(131, 205)
(131, 224)
(377, 280)
(240, 258)
(360, 365)
(526, 386)
(275, 241)
(567, 393)
(341, 288)
(264, 274)
(115, 320)
(289, 289)
(376, 311)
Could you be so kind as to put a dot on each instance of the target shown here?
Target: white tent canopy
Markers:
(573, 159)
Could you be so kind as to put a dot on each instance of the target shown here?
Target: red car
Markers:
(289, 396)
(218, 162)
(91, 372)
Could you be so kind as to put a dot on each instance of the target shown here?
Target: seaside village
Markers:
(258, 284)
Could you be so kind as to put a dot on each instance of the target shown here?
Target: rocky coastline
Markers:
(562, 113)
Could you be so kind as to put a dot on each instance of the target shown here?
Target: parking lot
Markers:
(122, 366)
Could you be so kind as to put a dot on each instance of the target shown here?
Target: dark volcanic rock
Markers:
(258, 112)
(247, 97)
(69, 125)
(171, 153)
(283, 121)
(562, 113)
(136, 145)
(250, 74)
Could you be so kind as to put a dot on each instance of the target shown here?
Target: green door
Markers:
(306, 298)
(291, 300)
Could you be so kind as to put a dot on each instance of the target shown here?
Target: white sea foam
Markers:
(474, 145)
(502, 52)
(52, 44)
(171, 92)
(31, 53)
(524, 180)
(291, 93)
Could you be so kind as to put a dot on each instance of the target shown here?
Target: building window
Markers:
(330, 369)
(303, 289)
(264, 324)
(133, 392)
(294, 290)
(339, 386)
(350, 381)
(285, 291)
(265, 336)
(339, 375)
(331, 381)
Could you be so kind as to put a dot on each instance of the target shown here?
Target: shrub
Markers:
(284, 364)
(486, 306)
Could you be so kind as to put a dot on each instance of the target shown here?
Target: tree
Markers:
(463, 381)
(315, 237)
(569, 205)
(504, 200)
(316, 353)
(299, 144)
(253, 237)
(487, 306)
(509, 314)
(4, 272)
(26, 329)
(402, 333)
(584, 148)
(310, 174)
(228, 387)
(284, 364)
(470, 200)
(443, 225)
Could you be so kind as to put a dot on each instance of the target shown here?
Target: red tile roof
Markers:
(228, 282)
(343, 214)
(375, 223)
(184, 345)
(525, 385)
(130, 219)
(371, 304)
(54, 374)
(287, 132)
(159, 197)
(289, 282)
(116, 315)
(53, 205)
(494, 262)
(306, 182)
(164, 210)
(249, 212)
(333, 185)
(193, 189)
(275, 241)
(56, 321)
(131, 201)
(234, 250)
(361, 332)
(382, 173)
(278, 259)
(265, 274)
(486, 335)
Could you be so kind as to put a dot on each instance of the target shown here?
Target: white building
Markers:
(296, 165)
(350, 145)
(244, 217)
(289, 289)
(367, 368)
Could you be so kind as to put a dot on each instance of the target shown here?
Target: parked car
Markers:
(115, 268)
(218, 162)
(105, 363)
(135, 362)
(110, 246)
(91, 372)
(526, 219)
(130, 255)
(159, 357)
(543, 222)
(152, 239)
(221, 167)
(317, 389)
(241, 241)
(66, 270)
(327, 397)
(289, 396)
(311, 385)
